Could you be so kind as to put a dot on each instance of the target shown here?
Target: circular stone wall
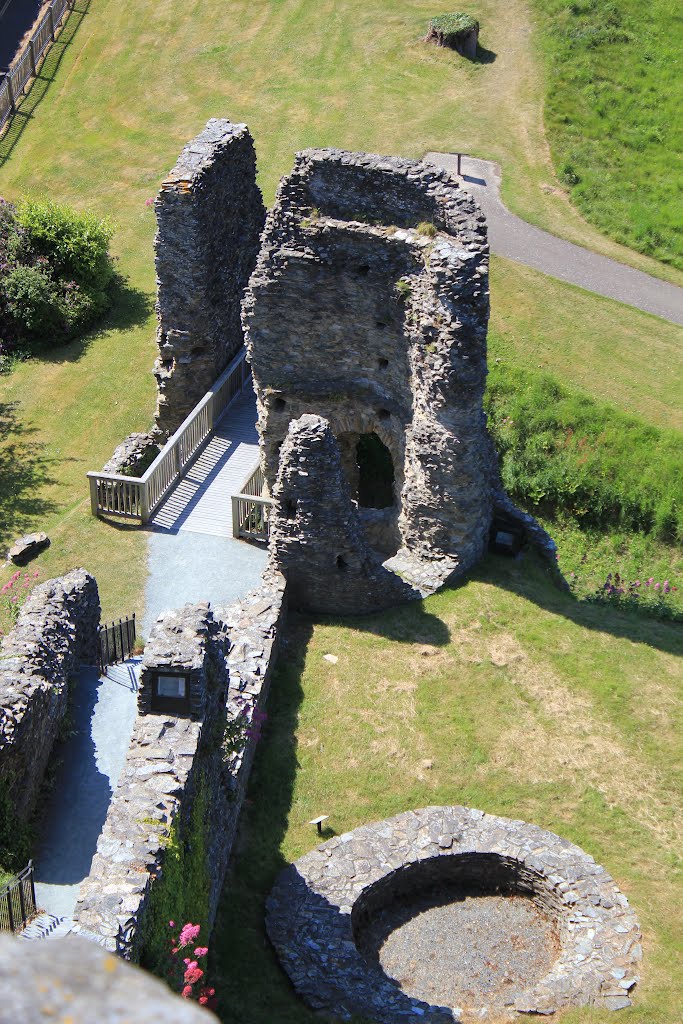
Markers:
(448, 909)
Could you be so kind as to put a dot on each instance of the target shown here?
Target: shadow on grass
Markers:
(39, 86)
(252, 987)
(484, 56)
(530, 578)
(23, 470)
(131, 307)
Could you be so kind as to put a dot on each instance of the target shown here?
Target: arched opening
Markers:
(375, 473)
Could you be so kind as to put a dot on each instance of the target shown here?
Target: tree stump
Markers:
(459, 32)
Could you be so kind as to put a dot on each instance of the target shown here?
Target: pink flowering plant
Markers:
(651, 595)
(187, 973)
(16, 590)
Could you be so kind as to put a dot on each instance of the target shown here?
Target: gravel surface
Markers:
(463, 952)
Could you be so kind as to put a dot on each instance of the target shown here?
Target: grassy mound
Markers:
(613, 115)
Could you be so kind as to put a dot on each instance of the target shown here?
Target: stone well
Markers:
(476, 912)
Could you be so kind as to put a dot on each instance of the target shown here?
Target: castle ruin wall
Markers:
(210, 214)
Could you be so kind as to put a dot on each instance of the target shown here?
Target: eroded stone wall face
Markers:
(55, 633)
(210, 214)
(368, 307)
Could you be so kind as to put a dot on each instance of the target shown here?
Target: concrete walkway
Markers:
(513, 238)
(92, 759)
(192, 555)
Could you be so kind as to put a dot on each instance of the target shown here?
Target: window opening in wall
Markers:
(383, 363)
(375, 473)
(279, 404)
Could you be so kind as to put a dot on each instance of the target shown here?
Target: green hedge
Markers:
(562, 452)
(55, 274)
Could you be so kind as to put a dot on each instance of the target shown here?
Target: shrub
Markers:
(33, 301)
(76, 244)
(55, 275)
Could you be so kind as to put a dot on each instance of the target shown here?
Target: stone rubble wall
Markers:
(55, 633)
(369, 307)
(134, 455)
(209, 217)
(230, 654)
(316, 536)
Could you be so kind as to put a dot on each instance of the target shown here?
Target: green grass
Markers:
(503, 694)
(614, 115)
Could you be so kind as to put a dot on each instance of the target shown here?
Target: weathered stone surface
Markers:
(368, 307)
(319, 905)
(316, 535)
(72, 980)
(135, 453)
(56, 632)
(229, 654)
(209, 217)
(27, 547)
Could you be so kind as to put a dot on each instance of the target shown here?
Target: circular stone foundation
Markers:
(444, 910)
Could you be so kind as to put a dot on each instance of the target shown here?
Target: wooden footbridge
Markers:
(207, 478)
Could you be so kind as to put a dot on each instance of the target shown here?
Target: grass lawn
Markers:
(352, 74)
(503, 694)
(614, 115)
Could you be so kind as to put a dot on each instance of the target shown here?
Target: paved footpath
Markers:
(92, 759)
(513, 238)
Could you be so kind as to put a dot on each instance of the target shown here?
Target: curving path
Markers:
(512, 237)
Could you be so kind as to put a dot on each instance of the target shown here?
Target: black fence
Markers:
(117, 641)
(18, 901)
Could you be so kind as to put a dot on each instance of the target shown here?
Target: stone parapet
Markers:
(56, 631)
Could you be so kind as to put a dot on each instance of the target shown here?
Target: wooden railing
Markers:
(251, 509)
(16, 80)
(137, 498)
(18, 901)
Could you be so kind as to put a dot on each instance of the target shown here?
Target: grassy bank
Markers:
(614, 116)
(503, 694)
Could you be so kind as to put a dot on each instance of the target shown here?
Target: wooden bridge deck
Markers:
(201, 501)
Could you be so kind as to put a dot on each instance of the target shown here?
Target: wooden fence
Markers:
(116, 641)
(250, 509)
(137, 498)
(18, 901)
(16, 80)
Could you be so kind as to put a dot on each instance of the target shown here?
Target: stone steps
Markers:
(46, 926)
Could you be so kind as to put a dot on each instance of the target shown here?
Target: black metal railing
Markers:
(117, 640)
(18, 901)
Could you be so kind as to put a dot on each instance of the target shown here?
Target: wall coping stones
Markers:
(309, 914)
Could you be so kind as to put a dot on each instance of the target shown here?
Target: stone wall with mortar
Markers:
(55, 633)
(209, 217)
(235, 646)
(134, 455)
(368, 307)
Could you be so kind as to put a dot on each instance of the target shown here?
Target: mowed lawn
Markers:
(502, 694)
(129, 84)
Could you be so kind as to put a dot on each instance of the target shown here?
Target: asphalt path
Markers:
(513, 238)
(16, 18)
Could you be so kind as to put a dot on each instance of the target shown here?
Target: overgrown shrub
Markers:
(55, 274)
(561, 452)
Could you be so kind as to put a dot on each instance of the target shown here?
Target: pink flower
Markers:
(201, 951)
(193, 974)
(187, 992)
(189, 934)
(171, 924)
(149, 202)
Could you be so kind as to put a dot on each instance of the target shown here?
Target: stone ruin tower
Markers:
(210, 214)
(365, 322)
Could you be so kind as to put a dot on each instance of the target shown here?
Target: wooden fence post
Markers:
(32, 55)
(51, 16)
(10, 92)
